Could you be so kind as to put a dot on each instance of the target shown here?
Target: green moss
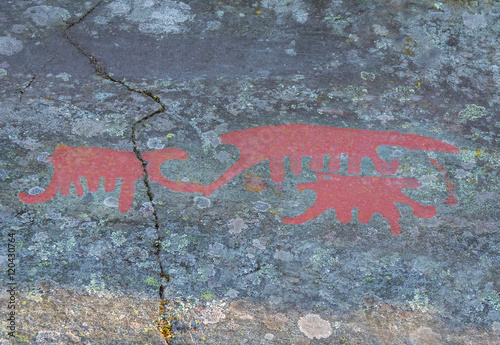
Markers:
(152, 281)
(207, 295)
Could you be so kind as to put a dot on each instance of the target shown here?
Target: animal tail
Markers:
(156, 158)
(44, 196)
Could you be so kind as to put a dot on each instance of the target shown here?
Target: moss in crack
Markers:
(164, 325)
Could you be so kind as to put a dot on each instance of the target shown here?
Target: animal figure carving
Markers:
(368, 194)
(156, 158)
(304, 140)
(72, 163)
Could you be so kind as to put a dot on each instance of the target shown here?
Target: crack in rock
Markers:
(164, 325)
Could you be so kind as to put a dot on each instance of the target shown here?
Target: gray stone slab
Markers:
(178, 262)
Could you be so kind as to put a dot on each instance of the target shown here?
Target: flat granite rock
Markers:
(250, 172)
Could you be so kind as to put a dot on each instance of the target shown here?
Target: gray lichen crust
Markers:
(187, 268)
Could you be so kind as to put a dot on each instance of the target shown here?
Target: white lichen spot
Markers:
(260, 243)
(47, 15)
(461, 173)
(275, 299)
(118, 238)
(261, 206)
(427, 179)
(232, 293)
(212, 314)
(202, 202)
(367, 76)
(111, 202)
(10, 46)
(472, 112)
(64, 76)
(223, 156)
(283, 255)
(100, 96)
(211, 138)
(236, 226)
(380, 30)
(384, 118)
(313, 326)
(213, 25)
(147, 209)
(294, 8)
(162, 17)
(42, 157)
(216, 249)
(88, 127)
(119, 8)
(35, 191)
(3, 72)
(290, 52)
(155, 143)
(269, 336)
(53, 215)
(380, 44)
(474, 21)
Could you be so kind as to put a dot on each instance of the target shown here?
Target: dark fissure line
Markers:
(22, 91)
(101, 71)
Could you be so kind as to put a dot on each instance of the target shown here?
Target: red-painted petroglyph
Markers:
(72, 163)
(452, 193)
(302, 140)
(369, 195)
(156, 158)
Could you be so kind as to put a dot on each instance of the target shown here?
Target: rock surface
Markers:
(190, 264)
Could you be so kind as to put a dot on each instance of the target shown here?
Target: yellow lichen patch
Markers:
(163, 324)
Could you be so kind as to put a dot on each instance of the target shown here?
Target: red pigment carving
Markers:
(155, 158)
(72, 163)
(368, 194)
(452, 193)
(255, 145)
(304, 140)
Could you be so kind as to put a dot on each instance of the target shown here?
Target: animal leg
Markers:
(364, 214)
(334, 164)
(316, 162)
(93, 183)
(296, 164)
(419, 210)
(392, 215)
(344, 213)
(109, 184)
(354, 164)
(277, 169)
(126, 195)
